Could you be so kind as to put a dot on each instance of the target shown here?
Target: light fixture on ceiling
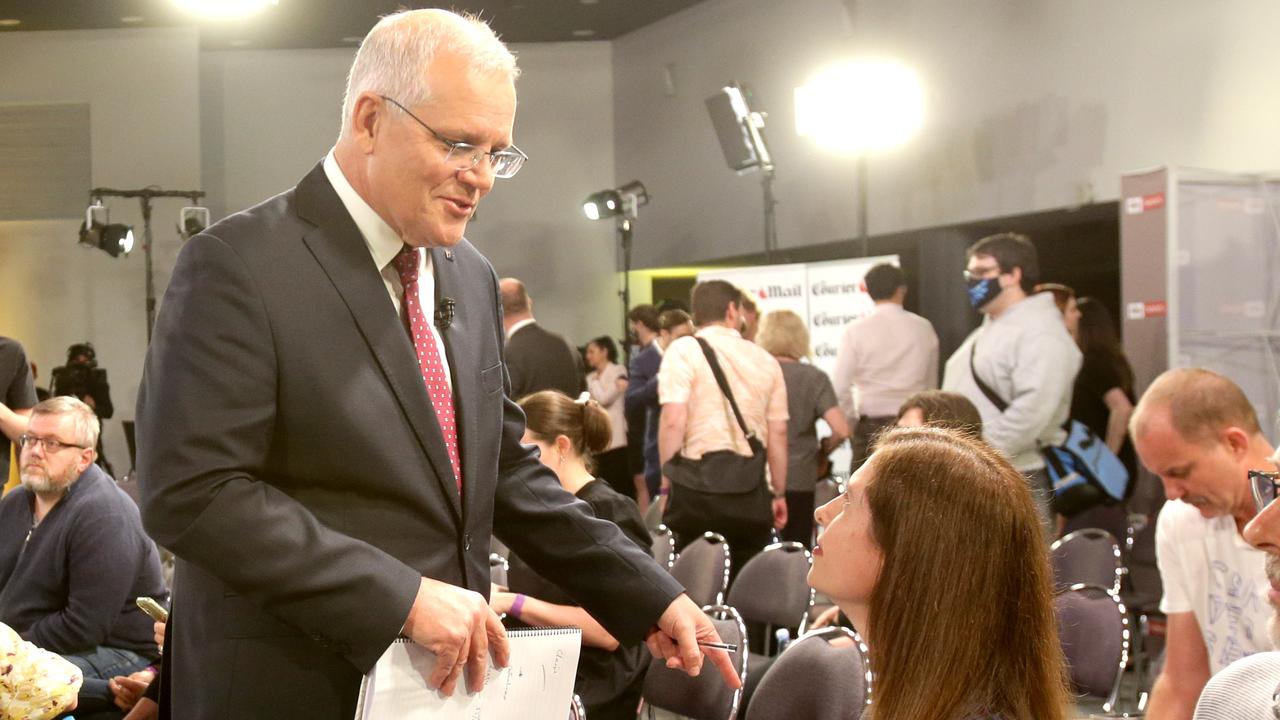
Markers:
(225, 9)
(114, 239)
(10, 22)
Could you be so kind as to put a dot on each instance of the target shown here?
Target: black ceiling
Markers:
(340, 23)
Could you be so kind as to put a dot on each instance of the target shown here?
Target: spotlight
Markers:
(192, 221)
(224, 9)
(624, 201)
(114, 239)
(861, 106)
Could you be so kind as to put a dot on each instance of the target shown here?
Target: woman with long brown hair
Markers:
(936, 554)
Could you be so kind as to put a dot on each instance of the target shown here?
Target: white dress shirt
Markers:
(885, 357)
(384, 244)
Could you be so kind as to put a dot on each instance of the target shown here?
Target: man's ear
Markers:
(1016, 275)
(367, 115)
(1237, 442)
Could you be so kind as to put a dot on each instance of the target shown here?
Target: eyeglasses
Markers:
(49, 444)
(1264, 484)
(464, 156)
(980, 273)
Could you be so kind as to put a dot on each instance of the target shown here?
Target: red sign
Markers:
(1157, 308)
(1154, 201)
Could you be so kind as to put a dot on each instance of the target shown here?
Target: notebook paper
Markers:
(536, 685)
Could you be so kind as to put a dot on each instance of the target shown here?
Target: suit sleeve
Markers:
(563, 541)
(206, 419)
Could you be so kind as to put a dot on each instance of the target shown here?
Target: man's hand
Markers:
(681, 627)
(144, 710)
(779, 512)
(458, 627)
(128, 690)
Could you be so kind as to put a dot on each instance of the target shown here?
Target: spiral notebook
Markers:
(536, 685)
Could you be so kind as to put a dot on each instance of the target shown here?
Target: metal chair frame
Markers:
(664, 533)
(1092, 534)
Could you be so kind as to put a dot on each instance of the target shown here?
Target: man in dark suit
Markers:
(537, 359)
(325, 460)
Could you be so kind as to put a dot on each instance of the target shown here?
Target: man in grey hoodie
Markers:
(1021, 352)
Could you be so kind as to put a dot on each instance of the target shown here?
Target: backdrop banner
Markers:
(828, 295)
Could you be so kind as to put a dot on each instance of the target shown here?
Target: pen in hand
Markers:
(719, 646)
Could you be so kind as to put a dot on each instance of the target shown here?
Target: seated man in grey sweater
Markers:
(1250, 687)
(73, 555)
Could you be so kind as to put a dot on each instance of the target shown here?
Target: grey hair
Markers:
(84, 421)
(395, 57)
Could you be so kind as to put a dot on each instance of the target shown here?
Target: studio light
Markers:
(224, 8)
(861, 106)
(192, 221)
(114, 239)
(624, 201)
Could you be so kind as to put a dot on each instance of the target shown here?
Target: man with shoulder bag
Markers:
(723, 436)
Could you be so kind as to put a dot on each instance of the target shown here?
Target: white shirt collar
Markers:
(383, 242)
(517, 326)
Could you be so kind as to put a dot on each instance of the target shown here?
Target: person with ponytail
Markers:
(569, 433)
(936, 555)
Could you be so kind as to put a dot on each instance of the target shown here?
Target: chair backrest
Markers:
(825, 490)
(824, 675)
(703, 569)
(664, 546)
(497, 547)
(705, 697)
(773, 587)
(1093, 627)
(1089, 557)
(653, 515)
(576, 709)
(498, 567)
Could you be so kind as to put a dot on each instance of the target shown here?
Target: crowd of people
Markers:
(328, 451)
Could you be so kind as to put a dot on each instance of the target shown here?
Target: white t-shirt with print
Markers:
(1209, 570)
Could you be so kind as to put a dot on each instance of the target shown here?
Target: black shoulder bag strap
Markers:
(995, 399)
(723, 383)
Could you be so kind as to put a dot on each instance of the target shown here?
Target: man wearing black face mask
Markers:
(1021, 352)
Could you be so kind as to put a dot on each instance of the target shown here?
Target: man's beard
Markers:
(41, 483)
(1273, 624)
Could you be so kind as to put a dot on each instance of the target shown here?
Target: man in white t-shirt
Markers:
(1250, 688)
(1198, 432)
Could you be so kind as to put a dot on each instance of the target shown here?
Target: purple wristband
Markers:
(516, 606)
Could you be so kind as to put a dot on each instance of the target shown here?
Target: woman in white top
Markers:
(607, 383)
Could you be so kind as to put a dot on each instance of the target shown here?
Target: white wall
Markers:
(143, 91)
(1033, 105)
(269, 116)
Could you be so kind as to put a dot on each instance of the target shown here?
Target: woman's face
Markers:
(596, 355)
(846, 560)
(1071, 316)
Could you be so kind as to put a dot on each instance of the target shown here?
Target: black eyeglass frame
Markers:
(457, 148)
(1265, 485)
(58, 445)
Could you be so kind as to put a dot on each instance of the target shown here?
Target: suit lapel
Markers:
(338, 248)
(462, 366)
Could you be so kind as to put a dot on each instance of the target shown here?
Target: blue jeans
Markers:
(99, 666)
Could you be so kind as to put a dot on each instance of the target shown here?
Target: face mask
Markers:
(982, 292)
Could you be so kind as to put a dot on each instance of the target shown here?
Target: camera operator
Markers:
(82, 378)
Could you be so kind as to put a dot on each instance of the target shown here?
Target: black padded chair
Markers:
(705, 697)
(703, 569)
(825, 675)
(1093, 627)
(498, 567)
(1089, 557)
(772, 589)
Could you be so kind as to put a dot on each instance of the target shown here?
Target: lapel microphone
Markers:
(444, 313)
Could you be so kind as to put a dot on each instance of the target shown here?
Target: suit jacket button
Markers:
(466, 541)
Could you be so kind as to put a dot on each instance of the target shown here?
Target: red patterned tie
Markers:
(424, 342)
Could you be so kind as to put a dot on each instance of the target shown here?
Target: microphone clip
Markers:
(444, 313)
